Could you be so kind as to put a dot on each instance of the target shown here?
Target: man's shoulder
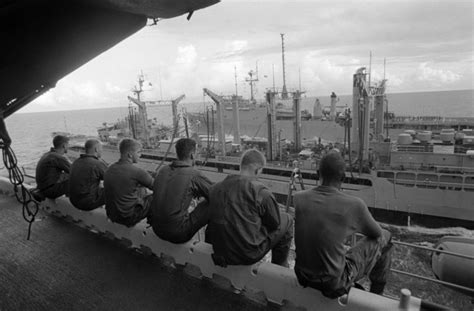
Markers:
(303, 193)
(349, 198)
(88, 161)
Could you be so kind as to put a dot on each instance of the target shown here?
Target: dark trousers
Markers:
(370, 257)
(91, 202)
(57, 190)
(280, 240)
(140, 210)
(185, 231)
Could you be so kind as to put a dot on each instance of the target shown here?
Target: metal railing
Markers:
(425, 278)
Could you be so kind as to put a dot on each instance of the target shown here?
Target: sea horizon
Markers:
(346, 99)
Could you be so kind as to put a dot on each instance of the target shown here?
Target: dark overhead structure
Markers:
(44, 40)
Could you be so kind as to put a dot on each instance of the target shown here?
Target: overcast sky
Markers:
(428, 46)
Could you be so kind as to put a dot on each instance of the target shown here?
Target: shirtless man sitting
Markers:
(325, 218)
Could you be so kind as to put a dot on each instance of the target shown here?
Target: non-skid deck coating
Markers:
(64, 267)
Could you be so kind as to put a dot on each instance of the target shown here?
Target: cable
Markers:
(22, 194)
(175, 133)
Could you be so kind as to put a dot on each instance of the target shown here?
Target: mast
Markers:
(299, 78)
(235, 110)
(251, 80)
(142, 109)
(386, 102)
(235, 78)
(284, 93)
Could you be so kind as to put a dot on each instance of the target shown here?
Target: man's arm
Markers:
(201, 185)
(269, 211)
(367, 224)
(144, 179)
(101, 167)
(63, 164)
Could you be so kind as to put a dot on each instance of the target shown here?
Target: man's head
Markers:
(60, 143)
(130, 149)
(93, 147)
(252, 162)
(185, 149)
(332, 168)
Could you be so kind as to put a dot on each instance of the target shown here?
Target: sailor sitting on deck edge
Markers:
(126, 201)
(52, 170)
(85, 191)
(176, 187)
(245, 220)
(325, 218)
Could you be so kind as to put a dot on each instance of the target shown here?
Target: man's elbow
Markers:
(374, 233)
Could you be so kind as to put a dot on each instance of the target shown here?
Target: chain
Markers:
(22, 194)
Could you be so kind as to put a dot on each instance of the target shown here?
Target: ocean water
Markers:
(31, 132)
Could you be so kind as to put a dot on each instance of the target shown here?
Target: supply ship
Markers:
(425, 175)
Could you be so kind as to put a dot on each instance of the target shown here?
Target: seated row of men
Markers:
(243, 218)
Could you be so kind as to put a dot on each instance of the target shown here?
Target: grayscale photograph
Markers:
(237, 155)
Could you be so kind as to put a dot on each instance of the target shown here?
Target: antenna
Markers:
(299, 77)
(256, 67)
(161, 90)
(235, 74)
(384, 59)
(284, 93)
(273, 71)
(370, 67)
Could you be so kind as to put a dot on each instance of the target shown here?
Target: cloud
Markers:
(79, 95)
(436, 76)
(231, 50)
(186, 55)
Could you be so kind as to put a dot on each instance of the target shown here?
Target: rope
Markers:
(22, 194)
(175, 133)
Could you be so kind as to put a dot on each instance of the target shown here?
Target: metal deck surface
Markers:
(64, 267)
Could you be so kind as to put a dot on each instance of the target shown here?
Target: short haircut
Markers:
(59, 141)
(128, 144)
(332, 167)
(90, 144)
(252, 158)
(184, 148)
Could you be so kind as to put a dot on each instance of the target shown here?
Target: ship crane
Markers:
(220, 120)
(142, 109)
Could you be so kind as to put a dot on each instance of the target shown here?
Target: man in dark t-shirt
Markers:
(126, 201)
(52, 170)
(245, 220)
(177, 186)
(325, 218)
(85, 192)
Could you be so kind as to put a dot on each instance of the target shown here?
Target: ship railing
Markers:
(464, 289)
